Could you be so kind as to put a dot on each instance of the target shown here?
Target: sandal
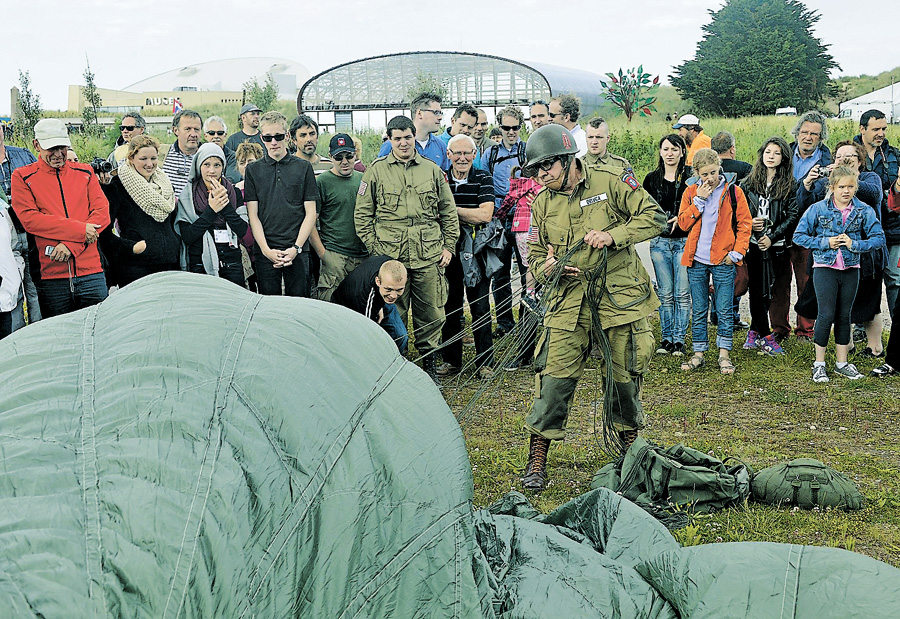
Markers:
(726, 366)
(696, 361)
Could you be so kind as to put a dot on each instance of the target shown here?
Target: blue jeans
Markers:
(672, 287)
(61, 296)
(393, 324)
(723, 282)
(892, 277)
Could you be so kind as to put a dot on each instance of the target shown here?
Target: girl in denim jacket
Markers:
(837, 229)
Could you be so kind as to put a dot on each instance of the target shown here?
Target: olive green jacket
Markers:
(607, 198)
(608, 159)
(406, 211)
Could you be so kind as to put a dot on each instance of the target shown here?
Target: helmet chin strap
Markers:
(563, 181)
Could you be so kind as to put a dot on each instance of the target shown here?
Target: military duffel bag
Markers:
(806, 483)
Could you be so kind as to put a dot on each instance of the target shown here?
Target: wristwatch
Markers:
(297, 247)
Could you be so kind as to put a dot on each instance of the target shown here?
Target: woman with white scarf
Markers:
(210, 220)
(142, 209)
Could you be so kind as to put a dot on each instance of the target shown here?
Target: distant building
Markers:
(207, 83)
(886, 99)
(365, 94)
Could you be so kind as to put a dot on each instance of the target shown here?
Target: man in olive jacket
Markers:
(405, 210)
(606, 207)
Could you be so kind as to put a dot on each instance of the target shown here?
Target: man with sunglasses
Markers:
(564, 110)
(405, 210)
(281, 193)
(214, 131)
(426, 117)
(132, 125)
(335, 242)
(593, 212)
(499, 160)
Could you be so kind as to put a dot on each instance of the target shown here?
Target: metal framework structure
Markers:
(381, 82)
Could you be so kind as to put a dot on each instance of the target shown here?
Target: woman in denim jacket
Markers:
(837, 229)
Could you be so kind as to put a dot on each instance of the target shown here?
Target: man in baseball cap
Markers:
(339, 249)
(690, 130)
(249, 131)
(60, 203)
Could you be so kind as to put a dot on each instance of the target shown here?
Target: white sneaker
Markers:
(848, 371)
(819, 374)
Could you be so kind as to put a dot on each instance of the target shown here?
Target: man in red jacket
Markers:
(61, 205)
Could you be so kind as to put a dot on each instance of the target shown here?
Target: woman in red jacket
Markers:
(715, 215)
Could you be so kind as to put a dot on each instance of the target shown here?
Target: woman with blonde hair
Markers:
(714, 213)
(142, 209)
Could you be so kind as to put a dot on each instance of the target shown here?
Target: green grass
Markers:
(770, 411)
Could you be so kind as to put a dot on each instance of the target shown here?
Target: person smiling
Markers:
(142, 205)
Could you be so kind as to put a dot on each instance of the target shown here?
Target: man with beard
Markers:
(305, 133)
(249, 132)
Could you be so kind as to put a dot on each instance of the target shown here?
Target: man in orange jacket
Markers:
(61, 205)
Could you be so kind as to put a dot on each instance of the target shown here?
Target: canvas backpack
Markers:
(806, 483)
(675, 477)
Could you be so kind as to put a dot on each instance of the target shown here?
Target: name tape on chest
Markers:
(593, 200)
(362, 188)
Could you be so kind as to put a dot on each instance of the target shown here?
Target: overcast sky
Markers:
(126, 42)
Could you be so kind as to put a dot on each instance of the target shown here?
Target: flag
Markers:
(176, 107)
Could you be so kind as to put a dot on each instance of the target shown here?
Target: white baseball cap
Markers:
(687, 119)
(51, 132)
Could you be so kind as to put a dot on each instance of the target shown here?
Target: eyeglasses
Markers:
(463, 153)
(215, 133)
(437, 113)
(811, 134)
(127, 127)
(510, 127)
(278, 137)
(342, 156)
(552, 115)
(545, 166)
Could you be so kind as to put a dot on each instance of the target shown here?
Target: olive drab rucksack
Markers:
(805, 483)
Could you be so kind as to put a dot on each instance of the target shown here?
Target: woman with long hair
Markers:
(667, 184)
(772, 198)
(142, 209)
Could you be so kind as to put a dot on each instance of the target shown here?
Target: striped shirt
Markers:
(177, 167)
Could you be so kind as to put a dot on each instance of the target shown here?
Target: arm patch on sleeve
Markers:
(362, 188)
(629, 179)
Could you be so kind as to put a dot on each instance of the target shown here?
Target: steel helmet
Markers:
(547, 142)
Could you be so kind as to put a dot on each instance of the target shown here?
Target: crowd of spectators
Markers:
(443, 213)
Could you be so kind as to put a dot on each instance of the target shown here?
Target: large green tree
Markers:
(756, 56)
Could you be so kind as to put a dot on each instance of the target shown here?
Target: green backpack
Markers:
(806, 483)
(676, 477)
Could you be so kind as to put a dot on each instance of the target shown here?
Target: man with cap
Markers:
(335, 242)
(61, 204)
(249, 132)
(594, 212)
(692, 133)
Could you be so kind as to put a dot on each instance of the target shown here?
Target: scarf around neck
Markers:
(155, 197)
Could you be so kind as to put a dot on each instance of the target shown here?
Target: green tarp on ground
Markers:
(189, 449)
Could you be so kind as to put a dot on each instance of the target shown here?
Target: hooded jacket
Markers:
(54, 206)
(186, 214)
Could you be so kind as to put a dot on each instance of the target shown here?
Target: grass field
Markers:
(768, 412)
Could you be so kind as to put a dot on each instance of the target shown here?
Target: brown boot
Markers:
(627, 437)
(535, 471)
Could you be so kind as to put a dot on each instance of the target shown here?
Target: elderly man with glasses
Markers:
(281, 195)
(426, 116)
(214, 131)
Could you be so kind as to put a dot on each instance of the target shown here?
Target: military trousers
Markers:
(560, 362)
(426, 295)
(334, 269)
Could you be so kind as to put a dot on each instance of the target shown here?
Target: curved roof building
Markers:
(227, 75)
(381, 83)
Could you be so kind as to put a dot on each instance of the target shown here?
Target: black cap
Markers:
(341, 143)
(249, 107)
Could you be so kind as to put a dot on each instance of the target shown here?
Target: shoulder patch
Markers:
(629, 179)
(362, 188)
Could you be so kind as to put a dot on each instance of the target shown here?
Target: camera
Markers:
(101, 166)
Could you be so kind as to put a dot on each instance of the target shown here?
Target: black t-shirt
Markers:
(236, 139)
(358, 290)
(740, 168)
(280, 187)
(477, 189)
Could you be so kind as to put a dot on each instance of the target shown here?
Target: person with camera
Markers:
(142, 204)
(61, 204)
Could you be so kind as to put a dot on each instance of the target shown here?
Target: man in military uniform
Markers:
(598, 146)
(605, 207)
(405, 210)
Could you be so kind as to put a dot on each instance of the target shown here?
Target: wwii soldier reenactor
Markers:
(598, 136)
(605, 207)
(405, 210)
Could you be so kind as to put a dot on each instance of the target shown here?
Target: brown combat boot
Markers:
(627, 437)
(535, 471)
